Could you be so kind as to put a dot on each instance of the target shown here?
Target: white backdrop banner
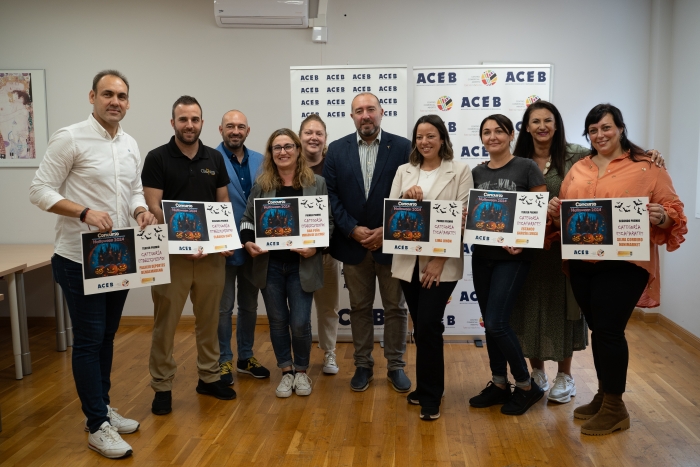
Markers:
(328, 91)
(464, 95)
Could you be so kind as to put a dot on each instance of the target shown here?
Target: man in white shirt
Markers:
(90, 176)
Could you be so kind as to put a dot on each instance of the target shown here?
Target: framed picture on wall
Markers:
(23, 118)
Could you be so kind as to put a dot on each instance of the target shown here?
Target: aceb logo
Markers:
(489, 78)
(531, 99)
(444, 103)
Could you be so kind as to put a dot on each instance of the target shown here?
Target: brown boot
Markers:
(587, 411)
(612, 416)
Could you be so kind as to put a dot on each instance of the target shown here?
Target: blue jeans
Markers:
(246, 318)
(497, 284)
(95, 322)
(288, 310)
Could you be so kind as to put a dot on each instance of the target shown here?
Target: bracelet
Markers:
(136, 217)
(83, 214)
(663, 219)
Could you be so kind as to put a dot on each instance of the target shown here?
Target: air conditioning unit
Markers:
(262, 13)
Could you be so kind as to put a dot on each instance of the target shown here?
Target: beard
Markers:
(372, 130)
(234, 146)
(184, 139)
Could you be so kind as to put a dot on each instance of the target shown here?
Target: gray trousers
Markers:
(360, 279)
(326, 299)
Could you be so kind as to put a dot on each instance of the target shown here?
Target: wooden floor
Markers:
(42, 423)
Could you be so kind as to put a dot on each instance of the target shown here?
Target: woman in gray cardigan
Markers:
(286, 278)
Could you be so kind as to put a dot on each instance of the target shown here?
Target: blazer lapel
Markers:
(411, 177)
(354, 161)
(382, 156)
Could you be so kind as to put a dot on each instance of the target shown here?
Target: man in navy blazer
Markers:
(359, 172)
(242, 165)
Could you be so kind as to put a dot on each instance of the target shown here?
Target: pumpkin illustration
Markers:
(99, 270)
(407, 235)
(197, 235)
(268, 231)
(598, 238)
(396, 234)
(416, 236)
(279, 231)
(111, 270)
(500, 226)
(480, 224)
(588, 238)
(576, 238)
(178, 234)
(121, 267)
(188, 235)
(287, 230)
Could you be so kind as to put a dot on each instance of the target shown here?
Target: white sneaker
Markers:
(540, 378)
(563, 388)
(286, 386)
(123, 425)
(107, 442)
(302, 384)
(330, 367)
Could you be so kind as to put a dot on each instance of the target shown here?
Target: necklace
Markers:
(428, 173)
(546, 166)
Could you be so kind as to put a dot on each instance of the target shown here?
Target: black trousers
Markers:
(607, 292)
(427, 307)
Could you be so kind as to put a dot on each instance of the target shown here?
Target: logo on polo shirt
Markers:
(207, 171)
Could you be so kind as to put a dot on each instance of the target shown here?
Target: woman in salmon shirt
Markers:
(608, 291)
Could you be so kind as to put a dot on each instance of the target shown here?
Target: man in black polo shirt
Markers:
(186, 170)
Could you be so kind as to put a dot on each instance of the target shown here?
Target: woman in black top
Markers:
(286, 278)
(499, 273)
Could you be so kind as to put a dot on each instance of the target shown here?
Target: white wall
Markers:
(680, 293)
(600, 49)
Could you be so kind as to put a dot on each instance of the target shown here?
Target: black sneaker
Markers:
(429, 413)
(412, 398)
(218, 389)
(522, 400)
(162, 403)
(491, 395)
(252, 367)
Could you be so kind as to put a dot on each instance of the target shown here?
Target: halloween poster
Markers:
(605, 229)
(506, 218)
(125, 259)
(293, 222)
(200, 226)
(423, 228)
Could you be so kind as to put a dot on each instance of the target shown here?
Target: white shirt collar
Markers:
(101, 130)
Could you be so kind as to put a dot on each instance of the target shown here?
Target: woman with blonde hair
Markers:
(312, 134)
(286, 278)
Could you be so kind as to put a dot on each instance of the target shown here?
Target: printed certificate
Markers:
(506, 218)
(605, 229)
(125, 259)
(425, 228)
(294, 222)
(200, 226)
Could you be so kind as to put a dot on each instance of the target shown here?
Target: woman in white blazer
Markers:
(428, 281)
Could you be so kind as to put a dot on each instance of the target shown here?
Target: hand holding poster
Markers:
(294, 222)
(200, 226)
(605, 229)
(125, 259)
(426, 228)
(506, 218)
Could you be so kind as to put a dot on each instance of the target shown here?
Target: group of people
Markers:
(91, 174)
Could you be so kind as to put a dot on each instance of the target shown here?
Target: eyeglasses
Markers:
(287, 148)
